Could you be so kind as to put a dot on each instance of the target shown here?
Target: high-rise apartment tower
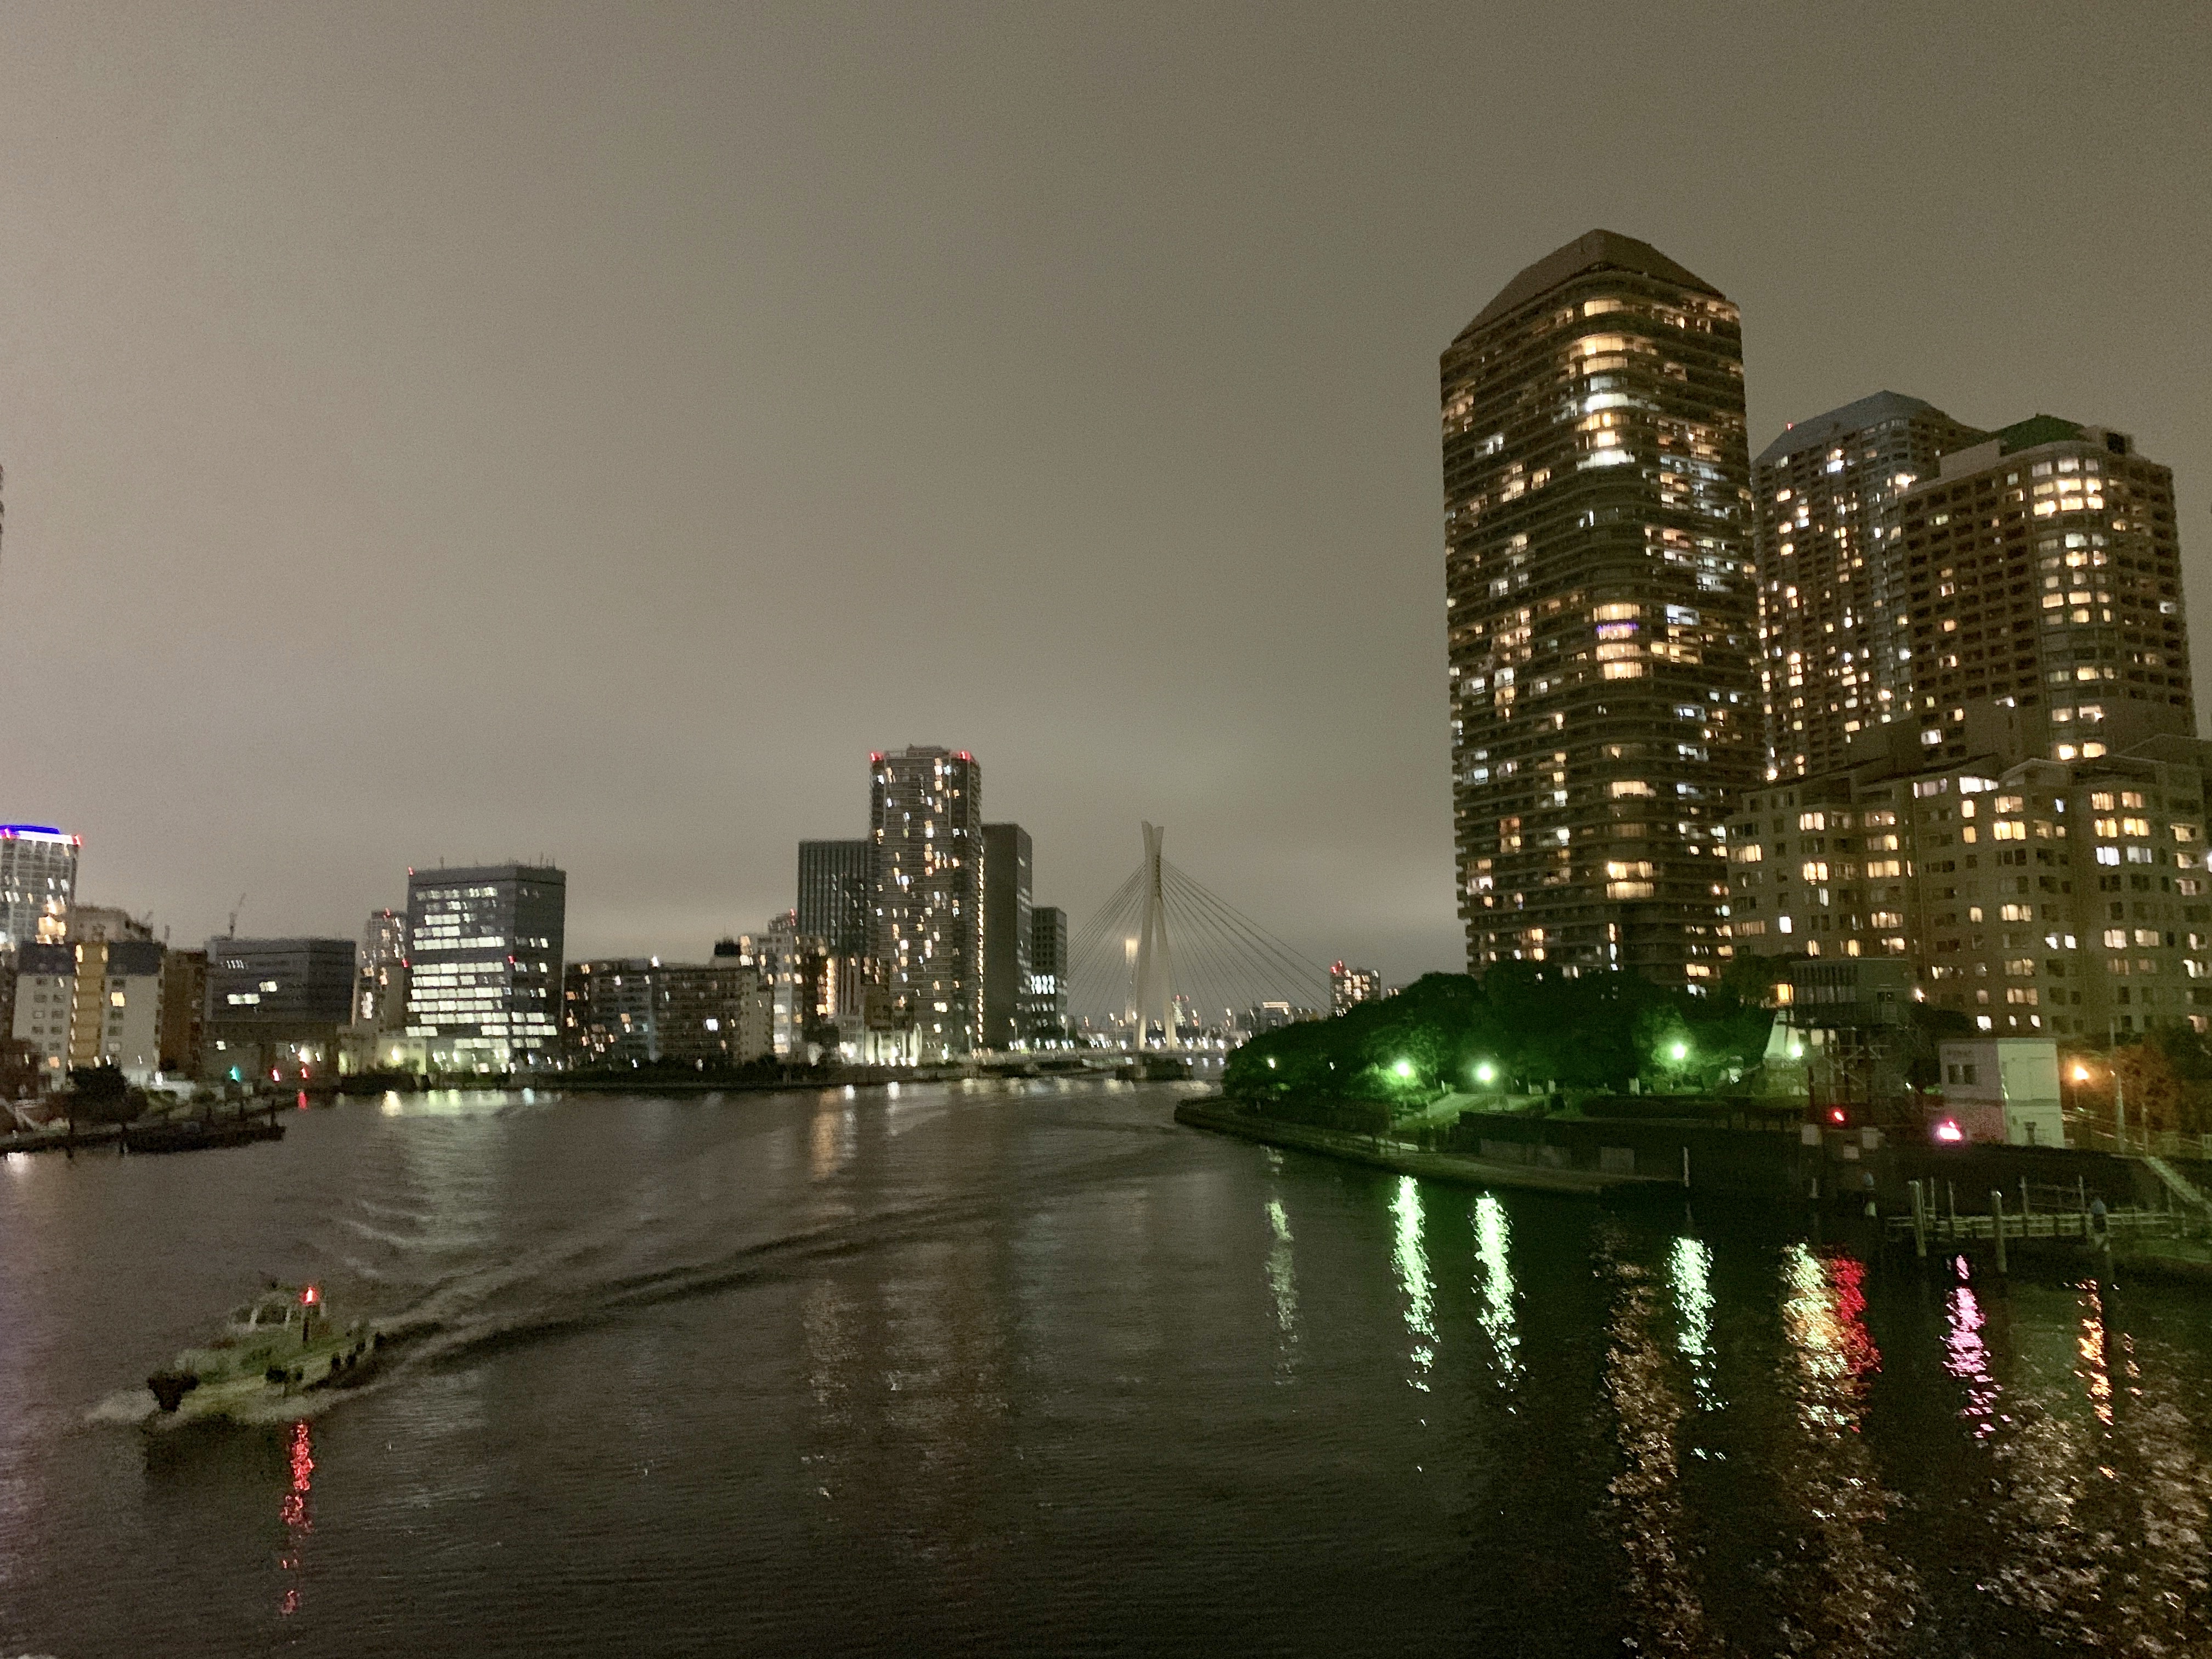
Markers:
(925, 897)
(1835, 643)
(1602, 626)
(2043, 573)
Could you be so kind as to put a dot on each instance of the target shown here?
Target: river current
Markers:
(1023, 1368)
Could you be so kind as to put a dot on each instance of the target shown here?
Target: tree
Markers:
(98, 1094)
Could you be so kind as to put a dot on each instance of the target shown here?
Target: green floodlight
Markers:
(1681, 1051)
(1404, 1068)
(1486, 1073)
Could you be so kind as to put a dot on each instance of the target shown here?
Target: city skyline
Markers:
(320, 403)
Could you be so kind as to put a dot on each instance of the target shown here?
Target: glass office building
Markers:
(483, 966)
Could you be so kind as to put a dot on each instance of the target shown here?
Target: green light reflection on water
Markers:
(1412, 1261)
(1493, 1240)
(1690, 1275)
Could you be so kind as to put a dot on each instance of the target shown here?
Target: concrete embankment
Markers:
(1400, 1159)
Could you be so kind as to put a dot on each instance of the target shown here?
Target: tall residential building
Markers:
(2043, 573)
(1602, 612)
(37, 880)
(1350, 987)
(1044, 1005)
(1835, 643)
(277, 1005)
(483, 965)
(1007, 883)
(380, 991)
(926, 893)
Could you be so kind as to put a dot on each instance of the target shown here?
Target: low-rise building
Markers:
(184, 1011)
(128, 1016)
(2004, 1088)
(45, 1007)
(275, 1007)
(642, 1011)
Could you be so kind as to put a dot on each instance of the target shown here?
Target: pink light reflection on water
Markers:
(1967, 1356)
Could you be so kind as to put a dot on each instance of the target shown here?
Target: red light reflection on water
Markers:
(1825, 1314)
(1847, 1274)
(298, 1523)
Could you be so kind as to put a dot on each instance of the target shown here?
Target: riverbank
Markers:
(1212, 1113)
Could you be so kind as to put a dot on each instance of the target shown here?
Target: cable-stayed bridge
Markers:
(1165, 959)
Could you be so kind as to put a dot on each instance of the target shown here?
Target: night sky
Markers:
(474, 431)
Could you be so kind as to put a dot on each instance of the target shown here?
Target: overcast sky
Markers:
(475, 431)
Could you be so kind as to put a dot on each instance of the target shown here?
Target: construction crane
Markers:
(234, 910)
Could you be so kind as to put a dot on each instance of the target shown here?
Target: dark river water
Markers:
(1027, 1368)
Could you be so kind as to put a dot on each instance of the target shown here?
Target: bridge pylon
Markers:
(1154, 989)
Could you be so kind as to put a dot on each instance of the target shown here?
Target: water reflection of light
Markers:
(1967, 1356)
(1860, 1595)
(1824, 1314)
(1412, 1264)
(1280, 1279)
(830, 1141)
(1662, 1596)
(1690, 1272)
(1493, 1239)
(2096, 1363)
(298, 1523)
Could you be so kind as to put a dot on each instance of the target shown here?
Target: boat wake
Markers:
(639, 1252)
